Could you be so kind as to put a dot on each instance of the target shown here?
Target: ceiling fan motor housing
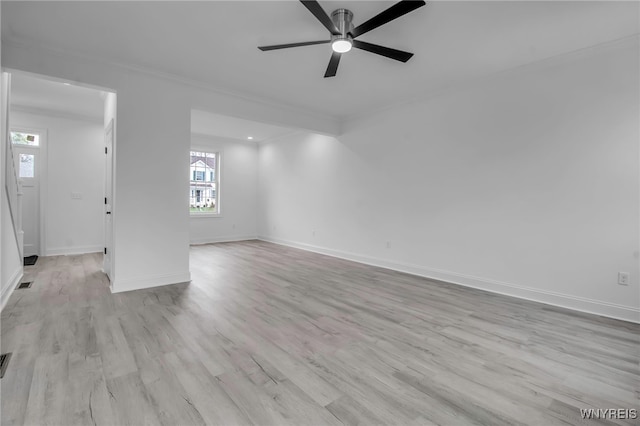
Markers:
(343, 19)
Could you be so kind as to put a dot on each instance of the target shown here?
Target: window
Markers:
(204, 197)
(27, 166)
(29, 139)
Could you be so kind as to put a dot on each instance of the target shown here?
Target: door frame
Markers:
(110, 127)
(42, 171)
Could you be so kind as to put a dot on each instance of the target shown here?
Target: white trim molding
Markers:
(67, 251)
(582, 304)
(11, 286)
(129, 284)
(224, 239)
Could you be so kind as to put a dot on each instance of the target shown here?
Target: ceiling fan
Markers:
(343, 33)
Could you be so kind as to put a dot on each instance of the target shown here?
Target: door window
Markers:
(27, 167)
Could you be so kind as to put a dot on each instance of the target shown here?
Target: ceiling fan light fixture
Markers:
(343, 33)
(341, 45)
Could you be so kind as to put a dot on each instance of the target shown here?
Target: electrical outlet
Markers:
(76, 195)
(313, 233)
(623, 278)
(388, 244)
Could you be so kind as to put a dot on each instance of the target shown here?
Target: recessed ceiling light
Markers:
(249, 137)
(67, 84)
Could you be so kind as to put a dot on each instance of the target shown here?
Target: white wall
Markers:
(11, 269)
(526, 184)
(75, 164)
(238, 192)
(10, 263)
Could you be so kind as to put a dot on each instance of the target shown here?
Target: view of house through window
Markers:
(203, 173)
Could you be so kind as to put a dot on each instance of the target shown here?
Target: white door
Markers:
(108, 200)
(28, 160)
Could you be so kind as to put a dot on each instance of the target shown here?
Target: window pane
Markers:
(20, 138)
(202, 191)
(27, 166)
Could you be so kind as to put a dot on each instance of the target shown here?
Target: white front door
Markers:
(108, 200)
(28, 160)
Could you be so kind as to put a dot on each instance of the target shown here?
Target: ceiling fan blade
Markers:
(397, 10)
(286, 46)
(332, 68)
(317, 10)
(398, 55)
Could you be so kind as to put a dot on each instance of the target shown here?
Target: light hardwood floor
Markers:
(271, 335)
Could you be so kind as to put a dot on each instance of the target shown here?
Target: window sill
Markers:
(200, 215)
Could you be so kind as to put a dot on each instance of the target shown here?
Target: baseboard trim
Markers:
(224, 239)
(13, 283)
(581, 304)
(68, 251)
(130, 284)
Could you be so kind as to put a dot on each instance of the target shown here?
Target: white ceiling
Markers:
(205, 123)
(41, 95)
(215, 42)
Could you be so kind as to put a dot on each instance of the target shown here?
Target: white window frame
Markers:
(218, 175)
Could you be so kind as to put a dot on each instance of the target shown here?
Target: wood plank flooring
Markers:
(270, 335)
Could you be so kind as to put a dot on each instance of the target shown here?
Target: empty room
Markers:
(320, 213)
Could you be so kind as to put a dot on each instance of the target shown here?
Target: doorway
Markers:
(59, 131)
(28, 147)
(108, 200)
